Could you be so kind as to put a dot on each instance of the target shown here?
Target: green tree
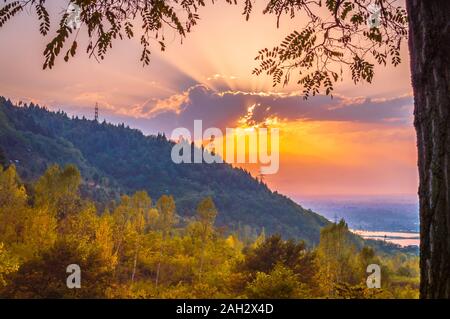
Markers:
(132, 219)
(336, 259)
(8, 265)
(45, 276)
(206, 215)
(11, 192)
(25, 231)
(57, 190)
(366, 257)
(139, 222)
(280, 283)
(91, 234)
(166, 209)
(274, 250)
(13, 200)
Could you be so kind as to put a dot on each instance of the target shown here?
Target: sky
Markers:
(361, 142)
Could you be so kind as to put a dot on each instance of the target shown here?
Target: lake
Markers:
(399, 238)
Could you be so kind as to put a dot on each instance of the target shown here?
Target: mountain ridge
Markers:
(116, 159)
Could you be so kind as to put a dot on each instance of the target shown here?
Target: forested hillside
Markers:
(137, 249)
(115, 160)
(203, 232)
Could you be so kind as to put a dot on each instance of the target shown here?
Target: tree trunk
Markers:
(135, 263)
(429, 44)
(158, 269)
(202, 261)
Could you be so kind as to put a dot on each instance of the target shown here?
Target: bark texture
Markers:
(429, 44)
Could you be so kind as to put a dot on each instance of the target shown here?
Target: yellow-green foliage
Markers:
(137, 248)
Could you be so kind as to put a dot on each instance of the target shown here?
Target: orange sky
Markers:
(361, 142)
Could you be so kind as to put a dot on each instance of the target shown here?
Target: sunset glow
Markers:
(360, 142)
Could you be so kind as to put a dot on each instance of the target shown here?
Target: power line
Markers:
(261, 176)
(96, 112)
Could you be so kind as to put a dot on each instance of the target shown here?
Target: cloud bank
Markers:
(226, 108)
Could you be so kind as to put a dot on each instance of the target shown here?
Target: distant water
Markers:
(402, 239)
(391, 218)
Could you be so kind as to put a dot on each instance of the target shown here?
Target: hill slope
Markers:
(117, 159)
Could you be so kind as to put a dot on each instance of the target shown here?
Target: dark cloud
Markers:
(223, 109)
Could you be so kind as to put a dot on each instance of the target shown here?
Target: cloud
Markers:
(226, 108)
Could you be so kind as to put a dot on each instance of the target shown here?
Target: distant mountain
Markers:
(376, 213)
(117, 159)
